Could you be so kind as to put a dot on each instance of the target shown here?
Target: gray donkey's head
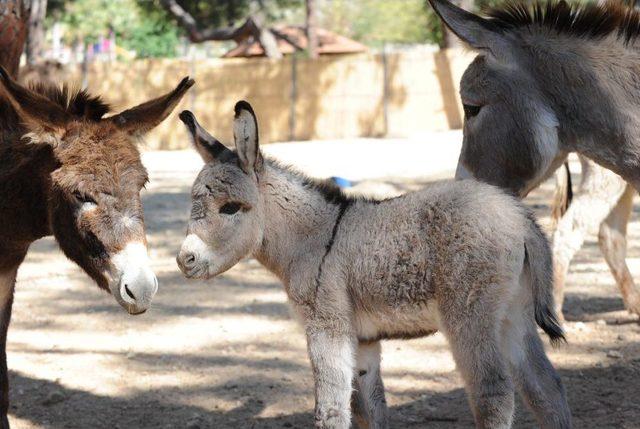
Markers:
(510, 129)
(227, 215)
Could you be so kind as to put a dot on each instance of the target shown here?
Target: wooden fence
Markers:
(333, 97)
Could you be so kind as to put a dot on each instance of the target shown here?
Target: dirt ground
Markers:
(226, 354)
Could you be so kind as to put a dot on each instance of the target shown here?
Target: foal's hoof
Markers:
(332, 418)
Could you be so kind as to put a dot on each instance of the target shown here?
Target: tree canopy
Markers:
(147, 27)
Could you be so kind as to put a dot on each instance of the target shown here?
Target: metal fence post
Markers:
(294, 96)
(385, 90)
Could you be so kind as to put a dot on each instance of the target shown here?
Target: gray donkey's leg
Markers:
(473, 336)
(367, 401)
(331, 355)
(613, 244)
(599, 192)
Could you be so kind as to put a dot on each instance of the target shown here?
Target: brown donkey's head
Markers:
(94, 204)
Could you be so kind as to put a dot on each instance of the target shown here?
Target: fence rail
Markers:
(367, 95)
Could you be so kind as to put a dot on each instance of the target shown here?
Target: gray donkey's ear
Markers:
(477, 32)
(245, 134)
(209, 148)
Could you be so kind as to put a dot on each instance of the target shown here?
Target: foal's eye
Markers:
(470, 110)
(83, 198)
(230, 208)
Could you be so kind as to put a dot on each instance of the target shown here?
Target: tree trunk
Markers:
(14, 17)
(35, 38)
(252, 27)
(312, 35)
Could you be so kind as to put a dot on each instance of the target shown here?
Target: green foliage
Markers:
(375, 22)
(154, 36)
(149, 33)
(223, 13)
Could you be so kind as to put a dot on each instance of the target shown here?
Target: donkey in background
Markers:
(603, 203)
(67, 171)
(460, 257)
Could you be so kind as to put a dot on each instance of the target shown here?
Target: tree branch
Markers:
(252, 27)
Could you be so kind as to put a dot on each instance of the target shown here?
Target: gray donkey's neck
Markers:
(300, 219)
(593, 87)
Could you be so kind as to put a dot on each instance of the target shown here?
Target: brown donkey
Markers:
(67, 171)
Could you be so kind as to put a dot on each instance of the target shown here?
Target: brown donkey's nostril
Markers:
(189, 258)
(128, 291)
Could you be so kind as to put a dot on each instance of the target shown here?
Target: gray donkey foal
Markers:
(460, 257)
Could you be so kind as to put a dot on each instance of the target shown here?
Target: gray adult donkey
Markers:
(460, 257)
(549, 79)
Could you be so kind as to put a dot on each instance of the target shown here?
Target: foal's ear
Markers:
(146, 116)
(37, 113)
(477, 32)
(209, 148)
(245, 135)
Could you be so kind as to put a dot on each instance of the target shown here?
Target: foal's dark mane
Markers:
(584, 20)
(331, 192)
(77, 102)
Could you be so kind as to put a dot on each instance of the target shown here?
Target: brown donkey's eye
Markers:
(83, 198)
(470, 110)
(230, 208)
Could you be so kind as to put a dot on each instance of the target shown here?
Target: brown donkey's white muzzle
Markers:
(134, 284)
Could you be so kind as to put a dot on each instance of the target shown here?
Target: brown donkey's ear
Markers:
(245, 135)
(36, 112)
(209, 148)
(146, 116)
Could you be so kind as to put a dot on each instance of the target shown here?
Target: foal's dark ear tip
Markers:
(243, 105)
(188, 118)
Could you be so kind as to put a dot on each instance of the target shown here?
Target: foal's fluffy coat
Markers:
(460, 257)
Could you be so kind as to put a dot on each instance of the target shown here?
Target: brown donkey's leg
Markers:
(7, 283)
(368, 403)
(613, 244)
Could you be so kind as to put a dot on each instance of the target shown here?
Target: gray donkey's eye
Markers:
(230, 208)
(470, 110)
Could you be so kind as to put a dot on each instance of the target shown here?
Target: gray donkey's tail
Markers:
(538, 257)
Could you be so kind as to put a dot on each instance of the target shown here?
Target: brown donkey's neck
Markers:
(24, 187)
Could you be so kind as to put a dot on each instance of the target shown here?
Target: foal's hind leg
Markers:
(368, 403)
(613, 244)
(533, 374)
(472, 334)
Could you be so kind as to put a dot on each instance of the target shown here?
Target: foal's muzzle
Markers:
(193, 258)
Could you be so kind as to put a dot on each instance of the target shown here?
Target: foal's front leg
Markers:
(368, 402)
(331, 353)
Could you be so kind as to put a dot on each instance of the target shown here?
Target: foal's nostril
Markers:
(128, 291)
(190, 259)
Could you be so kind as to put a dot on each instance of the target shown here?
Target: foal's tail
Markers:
(538, 258)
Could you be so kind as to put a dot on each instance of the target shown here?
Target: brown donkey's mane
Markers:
(585, 20)
(77, 102)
